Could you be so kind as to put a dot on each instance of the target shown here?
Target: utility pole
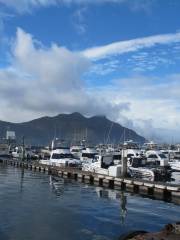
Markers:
(124, 162)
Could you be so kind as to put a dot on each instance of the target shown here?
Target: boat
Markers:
(4, 151)
(88, 155)
(175, 165)
(61, 157)
(17, 152)
(76, 150)
(20, 152)
(150, 146)
(131, 149)
(140, 168)
(103, 164)
(158, 157)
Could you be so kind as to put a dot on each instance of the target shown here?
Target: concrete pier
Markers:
(96, 181)
(159, 191)
(129, 185)
(168, 192)
(80, 177)
(87, 179)
(175, 197)
(143, 190)
(65, 174)
(118, 183)
(108, 182)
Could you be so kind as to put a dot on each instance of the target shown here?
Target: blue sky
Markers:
(115, 57)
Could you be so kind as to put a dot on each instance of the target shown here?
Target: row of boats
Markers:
(144, 164)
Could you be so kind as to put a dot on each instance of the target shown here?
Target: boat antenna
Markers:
(124, 134)
(55, 131)
(108, 136)
(86, 134)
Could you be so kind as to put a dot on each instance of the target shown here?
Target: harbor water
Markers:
(35, 206)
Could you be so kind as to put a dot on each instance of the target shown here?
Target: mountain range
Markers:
(70, 127)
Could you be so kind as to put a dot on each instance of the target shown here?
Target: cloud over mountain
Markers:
(43, 80)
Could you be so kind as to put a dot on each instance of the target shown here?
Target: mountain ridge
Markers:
(74, 126)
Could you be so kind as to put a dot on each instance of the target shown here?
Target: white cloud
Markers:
(133, 45)
(41, 81)
(27, 5)
(47, 81)
(78, 20)
(154, 109)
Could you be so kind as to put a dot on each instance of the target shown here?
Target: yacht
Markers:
(150, 146)
(88, 155)
(131, 149)
(158, 157)
(62, 157)
(76, 150)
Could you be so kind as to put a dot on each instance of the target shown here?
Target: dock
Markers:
(156, 190)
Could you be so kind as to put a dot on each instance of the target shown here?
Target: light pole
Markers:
(124, 162)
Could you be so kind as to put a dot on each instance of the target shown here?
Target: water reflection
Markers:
(57, 185)
(121, 196)
(22, 179)
(107, 193)
(123, 207)
(55, 208)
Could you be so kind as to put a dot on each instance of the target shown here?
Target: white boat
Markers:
(88, 155)
(19, 152)
(103, 164)
(175, 165)
(150, 145)
(76, 150)
(131, 149)
(176, 155)
(138, 167)
(4, 150)
(61, 157)
(158, 157)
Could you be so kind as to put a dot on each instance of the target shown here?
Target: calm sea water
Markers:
(35, 207)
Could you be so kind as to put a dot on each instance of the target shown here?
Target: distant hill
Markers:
(97, 129)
